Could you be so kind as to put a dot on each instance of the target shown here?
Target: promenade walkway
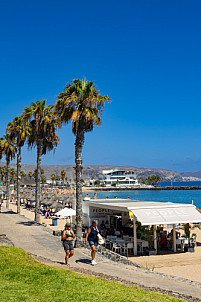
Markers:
(34, 239)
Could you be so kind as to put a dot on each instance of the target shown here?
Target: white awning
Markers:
(170, 214)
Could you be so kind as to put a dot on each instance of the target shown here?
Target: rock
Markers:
(4, 241)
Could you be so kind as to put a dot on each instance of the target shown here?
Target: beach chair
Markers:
(108, 241)
(120, 242)
(126, 237)
(113, 238)
(127, 247)
(116, 248)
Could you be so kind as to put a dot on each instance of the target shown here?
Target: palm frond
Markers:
(82, 104)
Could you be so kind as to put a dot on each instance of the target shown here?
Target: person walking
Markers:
(68, 236)
(92, 237)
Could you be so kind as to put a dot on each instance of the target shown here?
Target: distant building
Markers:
(117, 177)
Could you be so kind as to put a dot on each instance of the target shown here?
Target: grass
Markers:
(24, 279)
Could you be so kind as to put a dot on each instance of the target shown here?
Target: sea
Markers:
(176, 196)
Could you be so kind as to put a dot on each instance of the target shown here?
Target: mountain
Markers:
(191, 174)
(92, 171)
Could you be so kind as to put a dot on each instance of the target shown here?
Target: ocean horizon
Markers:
(180, 183)
(175, 196)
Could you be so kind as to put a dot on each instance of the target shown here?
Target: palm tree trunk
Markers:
(8, 183)
(38, 179)
(78, 170)
(18, 178)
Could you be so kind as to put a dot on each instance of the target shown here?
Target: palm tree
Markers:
(22, 174)
(1, 168)
(43, 135)
(12, 173)
(30, 174)
(43, 179)
(7, 148)
(19, 129)
(4, 173)
(63, 175)
(153, 179)
(57, 178)
(53, 177)
(66, 179)
(82, 104)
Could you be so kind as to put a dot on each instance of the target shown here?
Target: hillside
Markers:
(191, 174)
(91, 171)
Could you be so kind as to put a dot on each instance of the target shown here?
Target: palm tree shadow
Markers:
(9, 212)
(86, 261)
(27, 223)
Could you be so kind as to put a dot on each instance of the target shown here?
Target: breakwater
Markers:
(110, 189)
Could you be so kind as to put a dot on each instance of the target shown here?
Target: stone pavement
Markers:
(35, 239)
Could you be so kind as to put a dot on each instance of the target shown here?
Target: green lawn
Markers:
(23, 279)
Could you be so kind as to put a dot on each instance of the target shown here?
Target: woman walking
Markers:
(92, 237)
(68, 236)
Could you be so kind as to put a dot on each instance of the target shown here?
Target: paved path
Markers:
(34, 239)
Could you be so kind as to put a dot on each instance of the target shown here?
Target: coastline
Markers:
(109, 189)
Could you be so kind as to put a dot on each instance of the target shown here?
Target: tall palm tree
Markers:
(7, 148)
(12, 173)
(43, 135)
(1, 169)
(22, 174)
(82, 104)
(4, 173)
(63, 175)
(53, 177)
(43, 179)
(19, 129)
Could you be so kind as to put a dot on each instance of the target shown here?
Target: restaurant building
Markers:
(118, 213)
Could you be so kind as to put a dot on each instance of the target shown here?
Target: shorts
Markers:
(68, 245)
(93, 243)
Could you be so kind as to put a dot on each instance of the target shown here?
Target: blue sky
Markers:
(144, 54)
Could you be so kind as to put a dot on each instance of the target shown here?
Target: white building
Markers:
(118, 177)
(148, 213)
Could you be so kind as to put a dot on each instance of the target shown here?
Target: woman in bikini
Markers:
(68, 236)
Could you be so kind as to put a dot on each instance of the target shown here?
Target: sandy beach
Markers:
(184, 265)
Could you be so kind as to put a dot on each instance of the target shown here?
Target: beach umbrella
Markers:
(47, 202)
(66, 212)
(56, 205)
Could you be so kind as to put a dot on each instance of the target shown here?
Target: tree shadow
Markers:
(86, 261)
(27, 223)
(169, 252)
(8, 212)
